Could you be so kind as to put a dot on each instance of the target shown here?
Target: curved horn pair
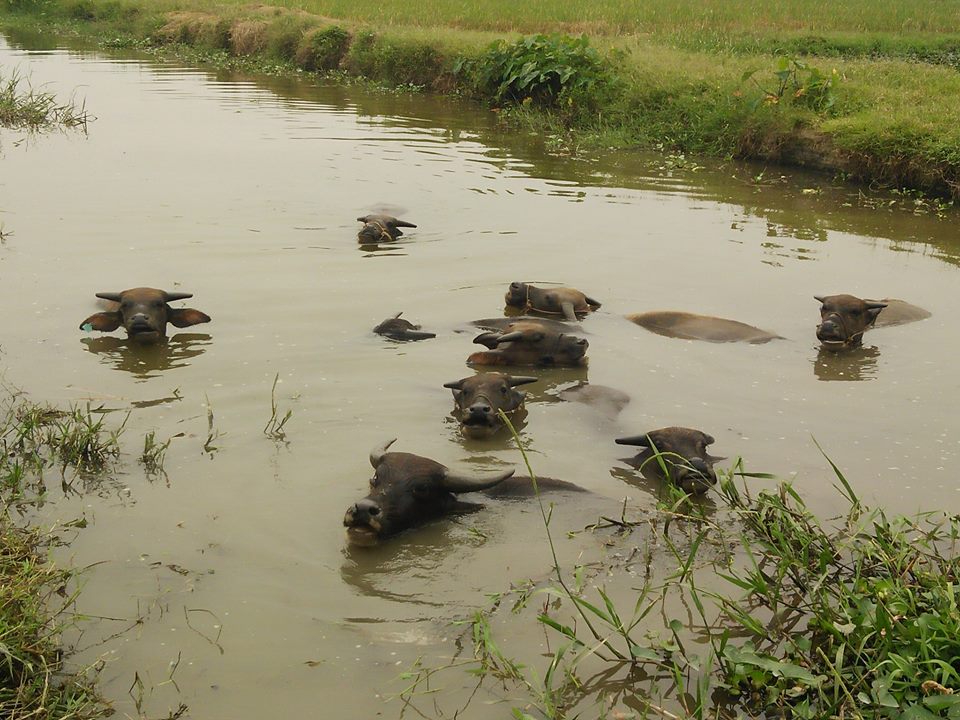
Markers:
(167, 296)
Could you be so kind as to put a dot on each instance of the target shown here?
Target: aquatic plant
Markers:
(23, 107)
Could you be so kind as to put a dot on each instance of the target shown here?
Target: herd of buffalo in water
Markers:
(407, 489)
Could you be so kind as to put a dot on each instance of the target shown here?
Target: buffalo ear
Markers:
(103, 321)
(873, 309)
(708, 439)
(185, 317)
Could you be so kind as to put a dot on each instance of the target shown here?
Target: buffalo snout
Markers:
(479, 400)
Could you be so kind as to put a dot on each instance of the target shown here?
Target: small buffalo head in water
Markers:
(479, 399)
(844, 318)
(565, 301)
(396, 328)
(381, 228)
(144, 314)
(529, 342)
(683, 452)
(408, 490)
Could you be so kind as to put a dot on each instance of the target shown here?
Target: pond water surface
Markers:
(244, 191)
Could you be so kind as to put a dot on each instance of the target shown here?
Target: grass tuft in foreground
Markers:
(769, 613)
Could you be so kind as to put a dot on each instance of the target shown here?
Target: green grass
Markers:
(34, 683)
(667, 75)
(630, 16)
(766, 613)
(22, 106)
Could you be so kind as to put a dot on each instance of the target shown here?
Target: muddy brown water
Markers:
(244, 191)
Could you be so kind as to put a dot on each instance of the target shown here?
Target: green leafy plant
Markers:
(796, 82)
(544, 69)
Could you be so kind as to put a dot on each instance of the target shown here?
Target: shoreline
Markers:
(876, 111)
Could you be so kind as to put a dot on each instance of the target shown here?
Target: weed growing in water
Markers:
(153, 453)
(34, 110)
(799, 620)
(274, 427)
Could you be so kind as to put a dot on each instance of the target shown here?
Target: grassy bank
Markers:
(34, 596)
(864, 89)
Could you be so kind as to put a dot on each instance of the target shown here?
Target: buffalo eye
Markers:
(157, 303)
(503, 389)
(422, 491)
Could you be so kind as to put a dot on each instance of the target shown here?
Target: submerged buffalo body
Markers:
(683, 452)
(565, 301)
(396, 328)
(381, 228)
(408, 490)
(689, 326)
(844, 318)
(144, 314)
(479, 399)
(529, 342)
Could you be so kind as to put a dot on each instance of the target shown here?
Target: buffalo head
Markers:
(843, 319)
(565, 301)
(408, 490)
(396, 328)
(144, 314)
(684, 455)
(380, 228)
(479, 399)
(529, 342)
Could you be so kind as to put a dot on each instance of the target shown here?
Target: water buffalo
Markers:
(396, 328)
(144, 314)
(565, 301)
(381, 228)
(479, 399)
(408, 490)
(844, 318)
(528, 342)
(683, 452)
(688, 326)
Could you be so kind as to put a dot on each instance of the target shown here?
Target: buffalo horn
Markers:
(819, 298)
(465, 483)
(171, 296)
(521, 380)
(114, 297)
(509, 337)
(454, 385)
(641, 440)
(873, 305)
(376, 455)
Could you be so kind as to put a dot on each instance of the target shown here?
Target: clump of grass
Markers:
(153, 453)
(23, 107)
(801, 620)
(274, 427)
(32, 683)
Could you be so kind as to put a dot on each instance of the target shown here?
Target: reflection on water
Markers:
(859, 363)
(147, 360)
